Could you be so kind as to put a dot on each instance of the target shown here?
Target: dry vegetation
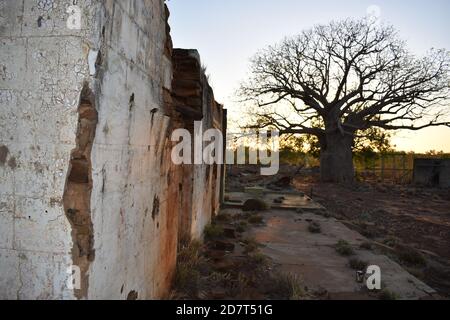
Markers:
(410, 224)
(230, 265)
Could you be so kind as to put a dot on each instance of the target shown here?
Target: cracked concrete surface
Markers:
(313, 256)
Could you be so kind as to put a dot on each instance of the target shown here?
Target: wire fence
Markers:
(393, 167)
(389, 167)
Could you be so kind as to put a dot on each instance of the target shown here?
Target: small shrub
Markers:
(325, 213)
(255, 205)
(344, 248)
(386, 294)
(186, 279)
(213, 231)
(237, 287)
(287, 286)
(368, 231)
(187, 275)
(190, 253)
(410, 256)
(314, 227)
(258, 259)
(357, 264)
(251, 245)
(224, 217)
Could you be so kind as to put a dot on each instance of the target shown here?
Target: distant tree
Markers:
(434, 153)
(345, 81)
(373, 140)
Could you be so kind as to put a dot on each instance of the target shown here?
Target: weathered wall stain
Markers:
(77, 194)
(155, 210)
(81, 177)
(4, 151)
(12, 163)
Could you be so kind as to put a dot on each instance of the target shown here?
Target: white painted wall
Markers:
(43, 67)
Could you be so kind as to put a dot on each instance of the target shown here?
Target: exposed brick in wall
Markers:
(77, 193)
(123, 228)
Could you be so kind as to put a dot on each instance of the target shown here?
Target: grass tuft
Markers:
(344, 248)
(213, 231)
(187, 275)
(410, 256)
(314, 227)
(386, 294)
(258, 259)
(224, 217)
(287, 286)
(251, 245)
(255, 205)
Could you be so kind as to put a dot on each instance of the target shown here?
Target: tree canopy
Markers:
(348, 76)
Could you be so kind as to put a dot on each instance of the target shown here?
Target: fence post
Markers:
(394, 167)
(404, 166)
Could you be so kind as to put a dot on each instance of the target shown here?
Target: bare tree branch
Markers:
(351, 75)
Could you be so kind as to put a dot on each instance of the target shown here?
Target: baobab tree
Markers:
(342, 80)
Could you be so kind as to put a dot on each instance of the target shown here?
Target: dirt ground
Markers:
(270, 254)
(229, 265)
(396, 217)
(409, 224)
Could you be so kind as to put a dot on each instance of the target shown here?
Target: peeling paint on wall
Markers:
(89, 181)
(77, 194)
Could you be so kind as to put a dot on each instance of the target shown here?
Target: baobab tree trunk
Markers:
(336, 160)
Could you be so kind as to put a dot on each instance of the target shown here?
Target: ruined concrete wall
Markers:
(43, 68)
(132, 224)
(86, 176)
(194, 100)
(432, 172)
(206, 182)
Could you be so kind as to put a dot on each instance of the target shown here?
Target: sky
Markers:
(227, 33)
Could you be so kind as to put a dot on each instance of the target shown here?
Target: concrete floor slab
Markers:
(294, 249)
(294, 200)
